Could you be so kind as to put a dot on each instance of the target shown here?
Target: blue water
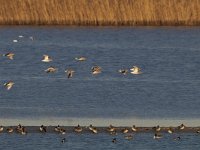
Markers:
(168, 88)
(141, 141)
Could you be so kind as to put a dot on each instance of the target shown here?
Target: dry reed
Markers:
(100, 12)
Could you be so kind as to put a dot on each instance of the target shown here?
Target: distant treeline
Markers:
(100, 12)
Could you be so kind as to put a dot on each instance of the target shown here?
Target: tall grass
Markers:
(100, 12)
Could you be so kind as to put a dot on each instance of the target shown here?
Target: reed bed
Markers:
(100, 12)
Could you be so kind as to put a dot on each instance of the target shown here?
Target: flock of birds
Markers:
(69, 72)
(78, 129)
(95, 69)
(112, 130)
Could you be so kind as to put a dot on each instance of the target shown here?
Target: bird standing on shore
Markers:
(181, 127)
(1, 128)
(23, 131)
(43, 129)
(125, 130)
(134, 128)
(170, 130)
(57, 128)
(10, 130)
(78, 129)
(111, 128)
(157, 128)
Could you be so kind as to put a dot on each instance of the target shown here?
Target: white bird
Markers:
(9, 85)
(93, 129)
(43, 128)
(46, 58)
(15, 41)
(90, 127)
(158, 128)
(135, 70)
(31, 38)
(20, 36)
(81, 58)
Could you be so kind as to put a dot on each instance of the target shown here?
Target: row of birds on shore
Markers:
(70, 72)
(110, 129)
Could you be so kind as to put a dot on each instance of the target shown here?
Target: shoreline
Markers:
(99, 122)
(85, 129)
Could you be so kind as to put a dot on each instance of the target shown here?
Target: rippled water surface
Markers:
(168, 87)
(102, 141)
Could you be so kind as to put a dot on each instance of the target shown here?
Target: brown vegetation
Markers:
(100, 12)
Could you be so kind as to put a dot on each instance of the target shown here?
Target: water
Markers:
(100, 141)
(166, 93)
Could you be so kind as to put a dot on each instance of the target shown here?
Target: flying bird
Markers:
(70, 73)
(96, 70)
(46, 58)
(9, 55)
(135, 70)
(9, 85)
(81, 58)
(51, 70)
